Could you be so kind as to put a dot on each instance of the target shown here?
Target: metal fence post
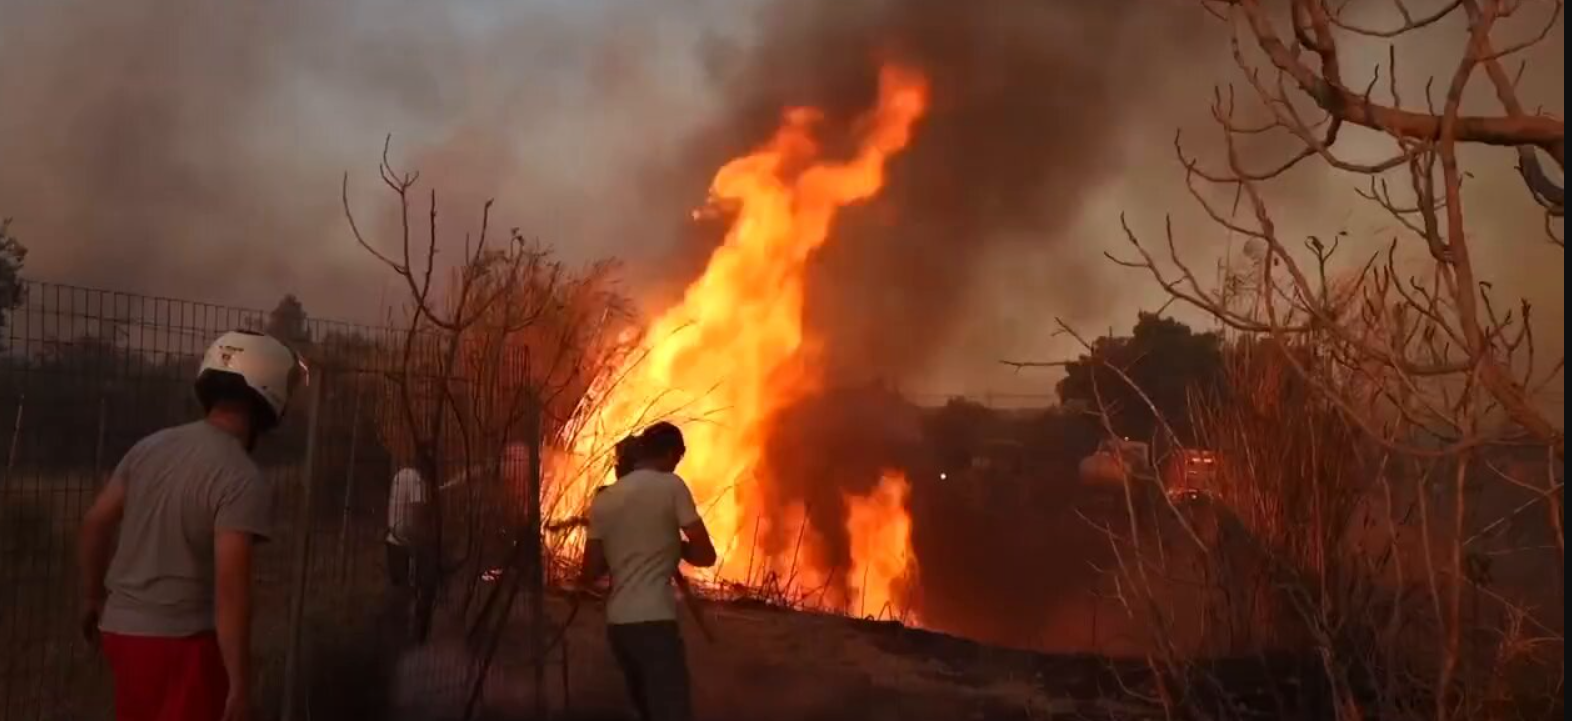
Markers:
(349, 488)
(16, 436)
(537, 557)
(302, 555)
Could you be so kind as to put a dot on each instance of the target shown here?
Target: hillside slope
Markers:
(767, 664)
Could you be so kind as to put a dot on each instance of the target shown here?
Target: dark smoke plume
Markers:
(139, 144)
(194, 150)
(1038, 108)
(1032, 104)
(1032, 107)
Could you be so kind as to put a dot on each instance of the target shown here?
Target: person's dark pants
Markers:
(407, 565)
(414, 570)
(655, 665)
(398, 564)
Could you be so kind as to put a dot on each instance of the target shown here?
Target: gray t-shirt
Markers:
(639, 521)
(182, 485)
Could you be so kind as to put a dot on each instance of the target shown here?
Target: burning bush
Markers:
(735, 356)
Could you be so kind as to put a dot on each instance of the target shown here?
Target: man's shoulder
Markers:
(674, 482)
(600, 511)
(663, 486)
(650, 475)
(194, 448)
(165, 436)
(195, 436)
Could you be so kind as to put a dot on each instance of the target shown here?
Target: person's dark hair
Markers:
(214, 387)
(662, 439)
(627, 455)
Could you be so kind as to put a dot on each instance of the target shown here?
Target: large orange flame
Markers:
(734, 351)
(881, 539)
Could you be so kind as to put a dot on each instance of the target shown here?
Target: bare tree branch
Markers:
(1548, 134)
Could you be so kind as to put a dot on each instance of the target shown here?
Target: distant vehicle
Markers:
(1186, 472)
(1115, 461)
(1190, 471)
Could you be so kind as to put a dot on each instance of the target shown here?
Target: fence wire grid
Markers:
(85, 374)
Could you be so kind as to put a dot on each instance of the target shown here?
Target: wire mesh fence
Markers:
(85, 374)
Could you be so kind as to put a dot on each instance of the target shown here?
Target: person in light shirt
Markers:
(409, 510)
(640, 528)
(411, 540)
(166, 550)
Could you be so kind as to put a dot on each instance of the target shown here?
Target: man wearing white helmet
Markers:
(170, 603)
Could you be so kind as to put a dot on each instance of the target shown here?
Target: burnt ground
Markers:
(767, 664)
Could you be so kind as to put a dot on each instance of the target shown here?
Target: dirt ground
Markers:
(766, 664)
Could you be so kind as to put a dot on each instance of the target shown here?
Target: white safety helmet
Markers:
(248, 362)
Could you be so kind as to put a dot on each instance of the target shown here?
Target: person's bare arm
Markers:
(594, 565)
(232, 557)
(95, 545)
(697, 548)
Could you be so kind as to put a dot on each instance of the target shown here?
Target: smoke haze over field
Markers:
(189, 149)
(145, 143)
(1031, 104)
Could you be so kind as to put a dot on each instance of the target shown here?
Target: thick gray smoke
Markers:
(146, 145)
(195, 150)
(1033, 108)
(1039, 109)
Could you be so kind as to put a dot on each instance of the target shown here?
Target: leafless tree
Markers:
(425, 371)
(495, 352)
(1422, 338)
(1421, 386)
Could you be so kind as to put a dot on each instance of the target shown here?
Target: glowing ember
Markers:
(880, 530)
(734, 352)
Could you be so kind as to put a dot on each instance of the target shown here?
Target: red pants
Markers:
(167, 679)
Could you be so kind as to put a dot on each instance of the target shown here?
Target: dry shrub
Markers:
(1356, 578)
(1300, 558)
(1294, 478)
(460, 397)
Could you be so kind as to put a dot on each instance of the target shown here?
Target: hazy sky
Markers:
(176, 147)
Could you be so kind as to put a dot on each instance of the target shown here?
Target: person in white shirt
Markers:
(408, 513)
(411, 547)
(640, 528)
